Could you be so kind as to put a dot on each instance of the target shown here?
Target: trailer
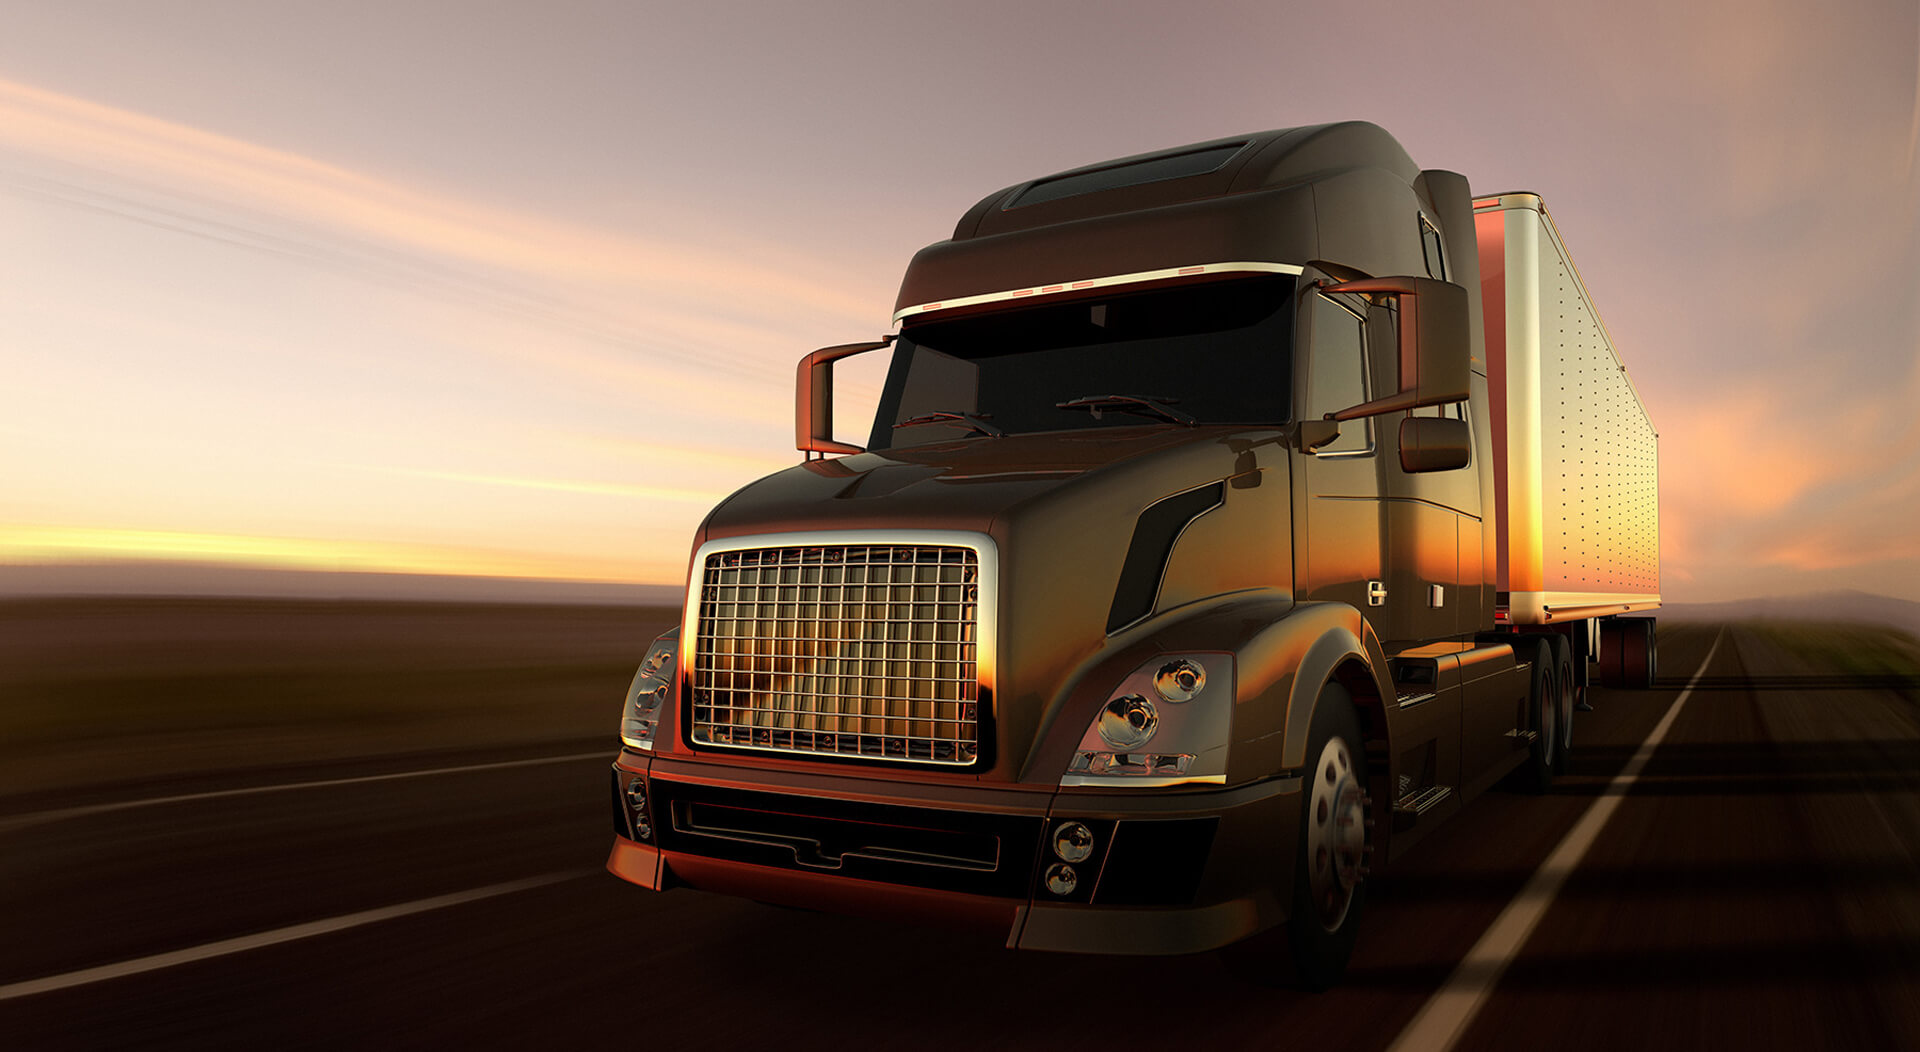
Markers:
(1578, 486)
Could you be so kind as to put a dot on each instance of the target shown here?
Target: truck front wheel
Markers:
(1330, 863)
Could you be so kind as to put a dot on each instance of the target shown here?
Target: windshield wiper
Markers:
(978, 423)
(1099, 405)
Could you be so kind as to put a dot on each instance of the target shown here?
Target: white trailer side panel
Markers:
(1578, 486)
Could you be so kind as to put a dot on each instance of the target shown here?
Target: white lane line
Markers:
(37, 817)
(1444, 1018)
(278, 935)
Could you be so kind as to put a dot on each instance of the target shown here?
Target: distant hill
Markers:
(162, 578)
(1860, 607)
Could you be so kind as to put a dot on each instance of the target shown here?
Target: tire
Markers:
(1563, 676)
(1335, 843)
(1628, 656)
(1650, 665)
(1543, 706)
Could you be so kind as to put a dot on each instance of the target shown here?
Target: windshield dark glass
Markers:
(1219, 353)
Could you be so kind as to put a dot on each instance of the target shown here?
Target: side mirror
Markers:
(813, 398)
(1434, 358)
(1434, 444)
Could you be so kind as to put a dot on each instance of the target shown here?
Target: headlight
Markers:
(648, 693)
(1133, 742)
(1127, 722)
(1180, 680)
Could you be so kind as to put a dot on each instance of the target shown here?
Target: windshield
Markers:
(1216, 353)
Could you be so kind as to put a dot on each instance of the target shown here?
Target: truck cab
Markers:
(1163, 599)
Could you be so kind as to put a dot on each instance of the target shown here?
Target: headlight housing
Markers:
(647, 695)
(1168, 723)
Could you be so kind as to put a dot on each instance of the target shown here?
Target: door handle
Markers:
(1376, 593)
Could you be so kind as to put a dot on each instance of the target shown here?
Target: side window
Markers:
(1337, 374)
(1430, 241)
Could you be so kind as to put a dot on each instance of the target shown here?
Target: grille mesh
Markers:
(846, 650)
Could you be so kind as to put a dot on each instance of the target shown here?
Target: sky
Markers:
(517, 289)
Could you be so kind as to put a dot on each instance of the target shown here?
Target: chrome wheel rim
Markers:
(1336, 834)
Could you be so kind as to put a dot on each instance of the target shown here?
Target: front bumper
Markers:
(1172, 871)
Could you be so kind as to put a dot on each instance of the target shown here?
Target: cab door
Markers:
(1338, 512)
(1429, 519)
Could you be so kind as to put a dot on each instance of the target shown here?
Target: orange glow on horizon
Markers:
(30, 545)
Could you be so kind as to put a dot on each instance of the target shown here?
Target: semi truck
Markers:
(1231, 516)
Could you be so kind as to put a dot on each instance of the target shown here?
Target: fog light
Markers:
(1180, 680)
(1127, 722)
(637, 802)
(1073, 842)
(1061, 879)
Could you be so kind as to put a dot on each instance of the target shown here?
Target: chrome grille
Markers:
(847, 650)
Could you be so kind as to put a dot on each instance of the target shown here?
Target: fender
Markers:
(1222, 624)
(1283, 653)
(1282, 669)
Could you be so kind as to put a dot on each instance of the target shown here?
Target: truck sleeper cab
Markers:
(1165, 596)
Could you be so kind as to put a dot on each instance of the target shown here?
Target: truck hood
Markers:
(961, 485)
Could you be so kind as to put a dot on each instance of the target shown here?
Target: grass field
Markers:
(104, 691)
(1870, 652)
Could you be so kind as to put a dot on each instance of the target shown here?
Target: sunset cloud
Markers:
(1748, 479)
(1737, 455)
(238, 174)
(649, 313)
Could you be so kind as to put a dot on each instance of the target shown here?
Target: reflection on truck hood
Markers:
(962, 484)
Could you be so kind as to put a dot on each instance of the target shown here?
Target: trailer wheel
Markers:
(1628, 656)
(1649, 666)
(1567, 692)
(1336, 840)
(1543, 710)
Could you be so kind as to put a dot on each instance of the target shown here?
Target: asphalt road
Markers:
(1757, 886)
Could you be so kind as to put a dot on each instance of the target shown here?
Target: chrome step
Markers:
(1524, 737)
(1420, 801)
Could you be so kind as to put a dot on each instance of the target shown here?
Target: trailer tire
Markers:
(1649, 666)
(1335, 844)
(1568, 694)
(1628, 655)
(1543, 708)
